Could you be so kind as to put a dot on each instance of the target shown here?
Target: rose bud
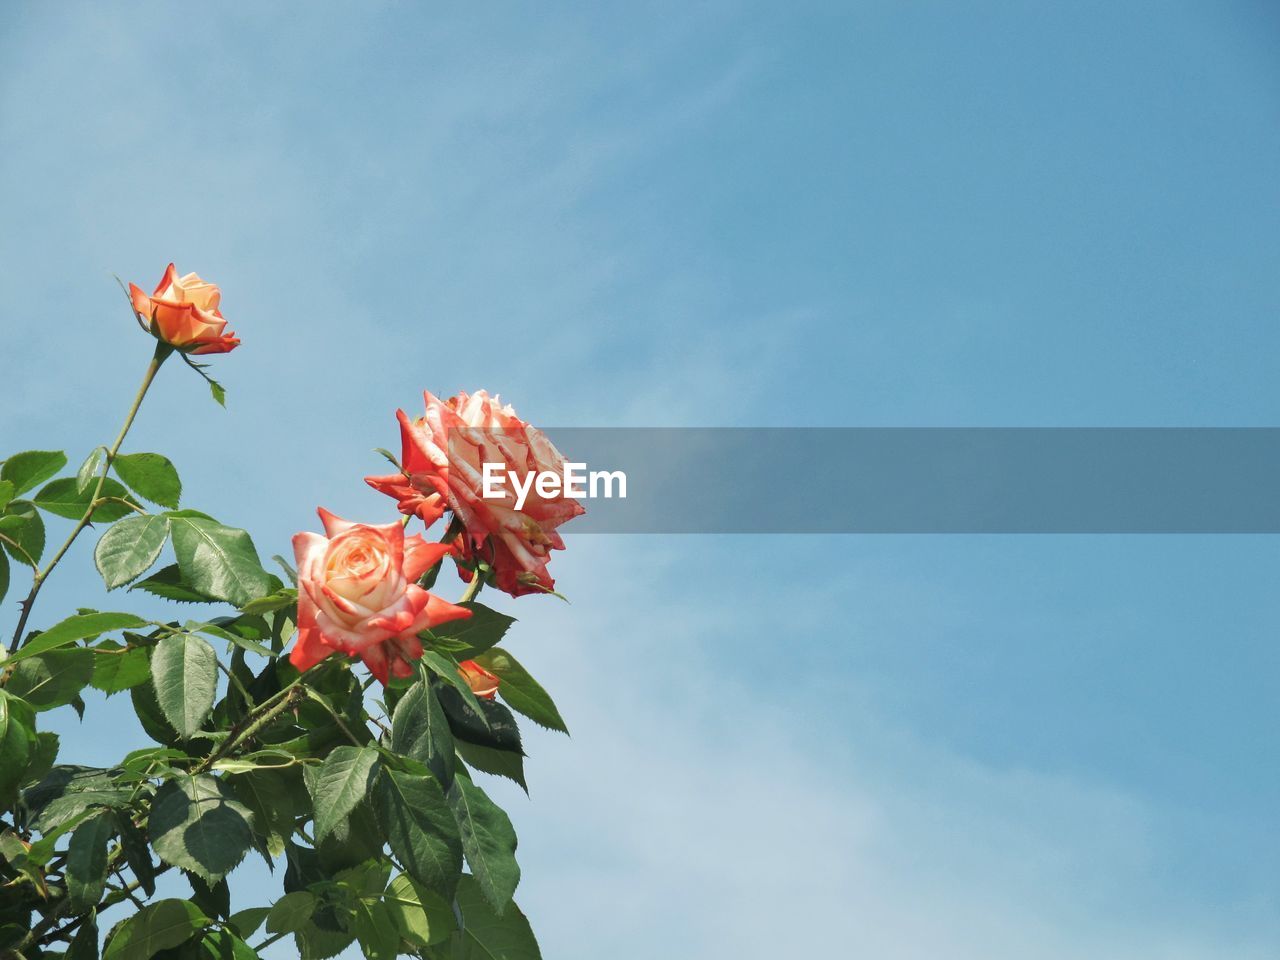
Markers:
(482, 683)
(442, 462)
(183, 312)
(358, 595)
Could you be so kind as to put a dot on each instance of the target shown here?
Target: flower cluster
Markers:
(358, 584)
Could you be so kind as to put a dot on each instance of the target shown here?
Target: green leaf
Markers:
(24, 532)
(80, 627)
(520, 691)
(117, 668)
(223, 945)
(89, 470)
(480, 631)
(218, 392)
(184, 670)
(218, 561)
(492, 725)
(375, 929)
(501, 763)
(488, 840)
(342, 782)
(213, 898)
(197, 824)
(43, 754)
(167, 582)
(84, 945)
(420, 731)
(17, 736)
(488, 935)
(447, 670)
(291, 912)
(230, 636)
(63, 498)
(67, 792)
(29, 469)
(151, 476)
(280, 600)
(52, 679)
(270, 795)
(4, 574)
(420, 828)
(247, 921)
(158, 926)
(137, 853)
(422, 917)
(7, 493)
(129, 548)
(86, 872)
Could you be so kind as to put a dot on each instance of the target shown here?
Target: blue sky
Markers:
(730, 214)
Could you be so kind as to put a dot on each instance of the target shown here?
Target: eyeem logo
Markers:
(576, 482)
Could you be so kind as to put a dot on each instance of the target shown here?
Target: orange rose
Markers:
(358, 595)
(482, 683)
(443, 459)
(183, 312)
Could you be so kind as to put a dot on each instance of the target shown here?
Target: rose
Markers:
(442, 462)
(183, 312)
(358, 595)
(482, 683)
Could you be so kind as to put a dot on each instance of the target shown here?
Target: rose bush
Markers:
(441, 468)
(335, 720)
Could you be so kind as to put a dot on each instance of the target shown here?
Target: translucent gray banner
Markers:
(929, 480)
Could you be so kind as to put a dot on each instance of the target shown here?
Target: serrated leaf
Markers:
(167, 582)
(419, 730)
(420, 828)
(491, 725)
(218, 561)
(157, 926)
(291, 912)
(488, 841)
(43, 754)
(247, 921)
(197, 824)
(31, 468)
(489, 935)
(80, 627)
(116, 668)
(7, 493)
(137, 854)
(184, 670)
(23, 532)
(501, 763)
(480, 631)
(342, 781)
(422, 917)
(17, 736)
(4, 574)
(375, 930)
(84, 945)
(270, 795)
(86, 872)
(63, 498)
(52, 679)
(520, 691)
(89, 470)
(151, 477)
(129, 548)
(434, 662)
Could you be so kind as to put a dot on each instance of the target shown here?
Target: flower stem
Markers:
(37, 581)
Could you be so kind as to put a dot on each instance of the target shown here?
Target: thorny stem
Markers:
(37, 581)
